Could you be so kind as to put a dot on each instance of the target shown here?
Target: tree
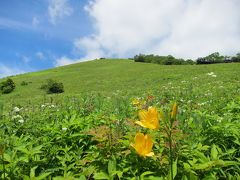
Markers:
(7, 86)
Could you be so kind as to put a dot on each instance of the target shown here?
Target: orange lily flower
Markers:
(143, 145)
(149, 119)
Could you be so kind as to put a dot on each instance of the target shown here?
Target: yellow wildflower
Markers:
(137, 102)
(143, 145)
(149, 118)
(174, 111)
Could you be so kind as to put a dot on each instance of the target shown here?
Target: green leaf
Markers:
(43, 176)
(145, 174)
(174, 167)
(32, 172)
(154, 178)
(214, 152)
(101, 175)
(82, 177)
(111, 166)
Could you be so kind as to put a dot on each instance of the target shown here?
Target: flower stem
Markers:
(170, 154)
(3, 167)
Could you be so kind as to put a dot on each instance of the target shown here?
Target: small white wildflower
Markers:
(52, 106)
(17, 117)
(210, 74)
(43, 106)
(16, 109)
(214, 75)
(64, 129)
(21, 121)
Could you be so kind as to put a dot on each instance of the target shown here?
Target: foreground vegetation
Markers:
(187, 116)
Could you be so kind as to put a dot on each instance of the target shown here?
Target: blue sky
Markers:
(41, 34)
(31, 40)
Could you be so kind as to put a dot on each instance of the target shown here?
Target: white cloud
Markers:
(62, 61)
(183, 28)
(91, 45)
(40, 55)
(8, 71)
(58, 9)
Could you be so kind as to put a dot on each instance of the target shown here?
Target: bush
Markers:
(7, 86)
(24, 83)
(53, 86)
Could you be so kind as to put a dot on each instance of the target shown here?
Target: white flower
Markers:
(17, 117)
(52, 106)
(210, 74)
(16, 109)
(214, 75)
(64, 129)
(21, 121)
(43, 106)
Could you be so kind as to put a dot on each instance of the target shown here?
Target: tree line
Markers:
(171, 60)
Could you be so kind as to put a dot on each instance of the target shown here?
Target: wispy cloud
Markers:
(13, 24)
(40, 55)
(59, 9)
(8, 71)
(23, 58)
(35, 21)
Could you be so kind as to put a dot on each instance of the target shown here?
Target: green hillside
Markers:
(119, 119)
(125, 76)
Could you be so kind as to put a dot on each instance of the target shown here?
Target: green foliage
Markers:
(211, 59)
(24, 83)
(7, 86)
(53, 86)
(217, 58)
(236, 58)
(89, 135)
(164, 60)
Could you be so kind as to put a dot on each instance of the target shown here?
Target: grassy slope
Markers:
(108, 76)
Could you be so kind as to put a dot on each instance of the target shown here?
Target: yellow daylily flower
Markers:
(143, 144)
(174, 111)
(149, 118)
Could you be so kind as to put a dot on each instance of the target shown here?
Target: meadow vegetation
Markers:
(118, 119)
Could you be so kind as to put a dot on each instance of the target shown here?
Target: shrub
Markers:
(7, 86)
(24, 83)
(53, 86)
(139, 58)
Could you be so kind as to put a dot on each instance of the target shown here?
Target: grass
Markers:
(108, 76)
